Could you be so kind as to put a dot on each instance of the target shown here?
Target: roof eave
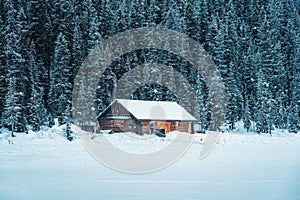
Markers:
(104, 111)
(168, 120)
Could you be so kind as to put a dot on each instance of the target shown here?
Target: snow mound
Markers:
(140, 144)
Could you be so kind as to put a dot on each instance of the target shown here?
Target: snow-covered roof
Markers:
(155, 110)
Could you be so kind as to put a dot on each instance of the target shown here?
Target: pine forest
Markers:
(254, 43)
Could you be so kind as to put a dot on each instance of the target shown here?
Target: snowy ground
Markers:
(242, 166)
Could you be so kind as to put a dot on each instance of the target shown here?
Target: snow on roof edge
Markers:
(156, 110)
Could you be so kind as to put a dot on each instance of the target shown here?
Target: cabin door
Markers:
(164, 125)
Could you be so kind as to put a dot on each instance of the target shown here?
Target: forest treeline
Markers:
(255, 45)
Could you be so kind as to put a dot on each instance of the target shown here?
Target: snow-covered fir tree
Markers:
(15, 105)
(60, 86)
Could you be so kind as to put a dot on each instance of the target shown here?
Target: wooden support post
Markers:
(139, 128)
(192, 128)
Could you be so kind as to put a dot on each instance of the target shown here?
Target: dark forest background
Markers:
(254, 43)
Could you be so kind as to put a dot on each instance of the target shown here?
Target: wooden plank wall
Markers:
(118, 125)
(183, 126)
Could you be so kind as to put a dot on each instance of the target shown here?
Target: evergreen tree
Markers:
(77, 46)
(61, 88)
(234, 100)
(68, 120)
(41, 33)
(90, 26)
(14, 111)
(294, 107)
(37, 113)
(247, 117)
(249, 79)
(3, 71)
(264, 105)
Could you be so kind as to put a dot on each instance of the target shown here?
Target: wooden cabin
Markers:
(143, 117)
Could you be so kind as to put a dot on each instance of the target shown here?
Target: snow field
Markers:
(45, 165)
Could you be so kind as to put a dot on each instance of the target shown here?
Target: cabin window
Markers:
(116, 124)
(132, 126)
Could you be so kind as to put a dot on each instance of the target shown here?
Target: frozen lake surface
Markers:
(242, 166)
